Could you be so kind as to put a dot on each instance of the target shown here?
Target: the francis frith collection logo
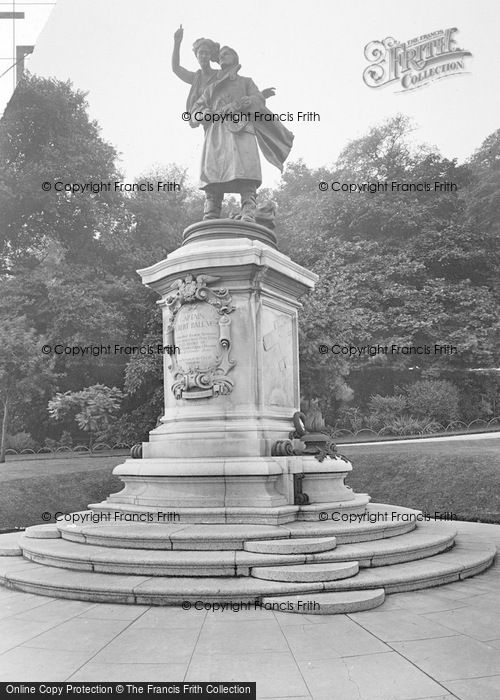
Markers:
(416, 62)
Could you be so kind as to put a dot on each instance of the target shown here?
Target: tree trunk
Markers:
(4, 432)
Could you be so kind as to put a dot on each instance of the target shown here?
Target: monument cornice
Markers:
(228, 256)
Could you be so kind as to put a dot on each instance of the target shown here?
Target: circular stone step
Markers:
(9, 544)
(304, 545)
(27, 576)
(427, 540)
(179, 537)
(303, 573)
(455, 564)
(379, 522)
(467, 559)
(72, 555)
(327, 603)
(42, 532)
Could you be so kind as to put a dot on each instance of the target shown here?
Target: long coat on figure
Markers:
(230, 159)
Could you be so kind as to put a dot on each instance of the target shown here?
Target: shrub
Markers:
(93, 408)
(134, 427)
(51, 444)
(407, 425)
(350, 418)
(124, 430)
(434, 399)
(385, 409)
(66, 440)
(20, 441)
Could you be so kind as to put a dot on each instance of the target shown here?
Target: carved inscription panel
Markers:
(196, 334)
(199, 326)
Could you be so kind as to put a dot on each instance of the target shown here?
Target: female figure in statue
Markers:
(205, 51)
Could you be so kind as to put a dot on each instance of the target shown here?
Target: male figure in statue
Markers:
(206, 52)
(230, 160)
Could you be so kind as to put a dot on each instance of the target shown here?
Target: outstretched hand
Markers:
(268, 92)
(178, 35)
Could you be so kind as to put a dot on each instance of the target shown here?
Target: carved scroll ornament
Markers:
(201, 369)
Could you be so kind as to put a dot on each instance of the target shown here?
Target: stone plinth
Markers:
(230, 300)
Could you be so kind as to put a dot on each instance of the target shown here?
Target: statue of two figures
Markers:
(227, 104)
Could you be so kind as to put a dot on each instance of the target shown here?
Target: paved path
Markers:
(438, 643)
(442, 438)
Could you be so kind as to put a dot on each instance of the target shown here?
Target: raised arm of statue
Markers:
(186, 75)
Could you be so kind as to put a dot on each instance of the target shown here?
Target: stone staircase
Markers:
(302, 566)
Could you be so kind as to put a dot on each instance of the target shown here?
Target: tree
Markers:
(483, 203)
(405, 268)
(47, 136)
(65, 258)
(159, 218)
(24, 370)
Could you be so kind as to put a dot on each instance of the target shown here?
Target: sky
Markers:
(23, 31)
(313, 53)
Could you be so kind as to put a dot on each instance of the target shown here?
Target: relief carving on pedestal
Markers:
(200, 327)
(278, 358)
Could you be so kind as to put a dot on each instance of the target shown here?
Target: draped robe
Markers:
(230, 158)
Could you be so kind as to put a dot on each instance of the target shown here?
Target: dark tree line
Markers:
(404, 268)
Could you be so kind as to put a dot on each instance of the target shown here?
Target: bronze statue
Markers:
(230, 159)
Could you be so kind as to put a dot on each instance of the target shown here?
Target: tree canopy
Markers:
(404, 268)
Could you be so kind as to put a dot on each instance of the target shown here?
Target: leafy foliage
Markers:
(93, 408)
(47, 136)
(19, 441)
(385, 409)
(25, 372)
(436, 399)
(395, 268)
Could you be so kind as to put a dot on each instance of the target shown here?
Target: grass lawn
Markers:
(29, 487)
(460, 477)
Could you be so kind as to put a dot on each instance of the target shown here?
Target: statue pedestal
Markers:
(215, 510)
(231, 380)
(229, 304)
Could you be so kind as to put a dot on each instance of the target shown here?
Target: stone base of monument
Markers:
(315, 567)
(258, 490)
(226, 502)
